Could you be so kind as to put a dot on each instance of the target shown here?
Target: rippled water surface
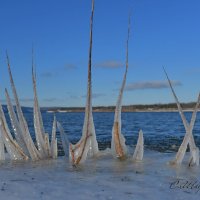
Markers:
(163, 131)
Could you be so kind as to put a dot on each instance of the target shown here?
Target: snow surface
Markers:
(101, 178)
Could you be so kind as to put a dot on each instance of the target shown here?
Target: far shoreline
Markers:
(123, 111)
(169, 107)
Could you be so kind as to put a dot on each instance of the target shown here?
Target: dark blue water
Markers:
(163, 131)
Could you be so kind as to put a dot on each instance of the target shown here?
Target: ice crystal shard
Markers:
(188, 138)
(41, 138)
(14, 150)
(118, 145)
(15, 124)
(139, 150)
(33, 152)
(2, 149)
(88, 144)
(24, 147)
(64, 139)
(54, 147)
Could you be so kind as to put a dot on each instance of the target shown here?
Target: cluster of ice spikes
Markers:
(21, 146)
(87, 145)
(188, 138)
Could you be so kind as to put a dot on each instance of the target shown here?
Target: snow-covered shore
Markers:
(102, 178)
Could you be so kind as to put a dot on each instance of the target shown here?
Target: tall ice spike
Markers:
(14, 150)
(33, 152)
(118, 145)
(41, 138)
(88, 144)
(15, 124)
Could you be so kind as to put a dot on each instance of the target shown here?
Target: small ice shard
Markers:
(194, 150)
(87, 145)
(33, 152)
(54, 147)
(194, 159)
(64, 139)
(15, 124)
(14, 150)
(47, 145)
(118, 145)
(188, 139)
(2, 148)
(41, 138)
(139, 149)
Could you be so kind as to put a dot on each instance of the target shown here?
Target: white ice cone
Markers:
(139, 150)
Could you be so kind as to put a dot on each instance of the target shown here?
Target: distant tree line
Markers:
(126, 108)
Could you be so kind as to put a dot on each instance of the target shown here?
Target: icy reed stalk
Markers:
(54, 147)
(64, 139)
(32, 150)
(118, 145)
(41, 138)
(87, 145)
(2, 150)
(14, 150)
(15, 124)
(188, 139)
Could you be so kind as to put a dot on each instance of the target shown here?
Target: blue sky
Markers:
(163, 33)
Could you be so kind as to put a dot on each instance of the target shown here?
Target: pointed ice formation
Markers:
(42, 138)
(54, 147)
(2, 149)
(15, 124)
(33, 152)
(23, 147)
(188, 139)
(14, 150)
(87, 145)
(139, 150)
(118, 145)
(64, 139)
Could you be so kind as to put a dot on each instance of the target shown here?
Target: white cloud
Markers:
(109, 64)
(150, 85)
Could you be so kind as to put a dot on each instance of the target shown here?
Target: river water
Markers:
(163, 131)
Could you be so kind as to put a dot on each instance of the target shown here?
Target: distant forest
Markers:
(126, 108)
